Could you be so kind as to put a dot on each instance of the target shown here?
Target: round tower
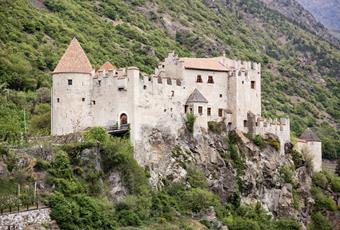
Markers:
(71, 92)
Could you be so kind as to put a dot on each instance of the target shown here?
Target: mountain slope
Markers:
(300, 75)
(296, 12)
(326, 11)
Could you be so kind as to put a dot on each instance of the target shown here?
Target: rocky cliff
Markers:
(235, 168)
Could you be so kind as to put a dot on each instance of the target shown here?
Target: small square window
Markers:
(209, 111)
(69, 82)
(58, 99)
(168, 81)
(94, 102)
(245, 123)
(220, 95)
(210, 79)
(252, 84)
(200, 110)
(83, 99)
(220, 112)
(199, 79)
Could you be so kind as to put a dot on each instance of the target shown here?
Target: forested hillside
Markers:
(300, 74)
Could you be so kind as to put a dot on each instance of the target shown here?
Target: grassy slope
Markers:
(300, 71)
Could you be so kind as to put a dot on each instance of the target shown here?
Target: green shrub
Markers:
(163, 205)
(217, 127)
(196, 178)
(96, 134)
(259, 141)
(42, 165)
(275, 143)
(297, 158)
(319, 222)
(128, 218)
(189, 122)
(197, 199)
(322, 201)
(81, 212)
(287, 174)
(320, 180)
(140, 205)
(286, 224)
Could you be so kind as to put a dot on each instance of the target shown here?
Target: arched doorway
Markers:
(123, 119)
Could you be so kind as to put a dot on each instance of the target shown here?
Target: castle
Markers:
(213, 89)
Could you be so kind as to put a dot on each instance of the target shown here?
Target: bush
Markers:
(287, 174)
(81, 212)
(259, 141)
(96, 134)
(320, 180)
(319, 222)
(42, 165)
(197, 199)
(286, 224)
(196, 178)
(189, 122)
(139, 205)
(322, 201)
(217, 127)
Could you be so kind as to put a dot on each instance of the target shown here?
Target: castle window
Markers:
(220, 95)
(58, 99)
(190, 109)
(239, 73)
(99, 82)
(199, 79)
(162, 66)
(159, 80)
(144, 87)
(220, 112)
(168, 81)
(178, 82)
(252, 65)
(149, 78)
(69, 81)
(200, 110)
(209, 111)
(246, 73)
(185, 108)
(83, 99)
(210, 79)
(94, 102)
(245, 123)
(252, 84)
(242, 82)
(172, 93)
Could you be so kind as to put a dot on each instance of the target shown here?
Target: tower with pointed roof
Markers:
(71, 91)
(310, 143)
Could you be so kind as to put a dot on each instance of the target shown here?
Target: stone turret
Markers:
(311, 143)
(71, 91)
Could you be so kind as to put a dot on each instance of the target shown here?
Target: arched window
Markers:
(123, 119)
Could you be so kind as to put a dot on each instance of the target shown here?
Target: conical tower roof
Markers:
(196, 96)
(107, 66)
(309, 135)
(74, 60)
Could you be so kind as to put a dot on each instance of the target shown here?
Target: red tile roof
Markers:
(203, 64)
(74, 60)
(107, 66)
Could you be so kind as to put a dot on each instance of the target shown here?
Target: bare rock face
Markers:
(117, 189)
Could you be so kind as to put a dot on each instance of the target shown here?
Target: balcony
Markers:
(118, 130)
